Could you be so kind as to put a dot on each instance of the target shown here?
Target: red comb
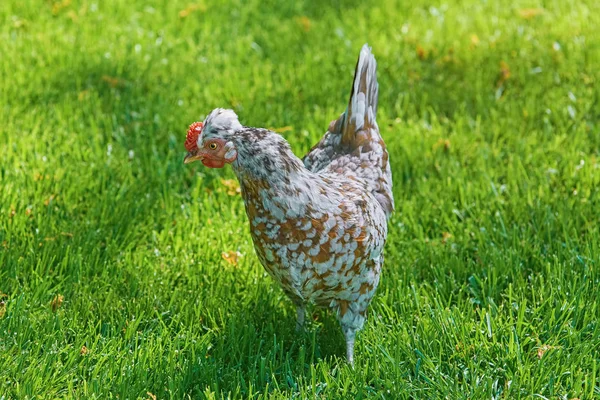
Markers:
(191, 141)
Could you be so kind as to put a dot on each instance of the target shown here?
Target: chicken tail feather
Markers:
(352, 145)
(362, 107)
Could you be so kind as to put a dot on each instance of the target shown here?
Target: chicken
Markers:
(318, 225)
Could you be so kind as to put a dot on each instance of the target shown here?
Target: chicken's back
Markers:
(353, 146)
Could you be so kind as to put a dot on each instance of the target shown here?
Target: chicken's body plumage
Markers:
(319, 225)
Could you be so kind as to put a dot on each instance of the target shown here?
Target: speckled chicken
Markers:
(319, 224)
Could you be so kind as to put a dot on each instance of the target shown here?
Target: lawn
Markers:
(126, 274)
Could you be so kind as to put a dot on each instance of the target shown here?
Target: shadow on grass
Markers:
(264, 347)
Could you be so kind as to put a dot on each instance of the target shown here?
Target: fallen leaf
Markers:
(304, 23)
(448, 58)
(84, 350)
(112, 81)
(190, 9)
(152, 396)
(421, 53)
(446, 236)
(48, 200)
(231, 256)
(232, 186)
(528, 13)
(58, 6)
(504, 73)
(445, 143)
(57, 301)
(541, 351)
(2, 309)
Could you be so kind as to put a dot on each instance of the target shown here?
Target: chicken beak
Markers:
(191, 157)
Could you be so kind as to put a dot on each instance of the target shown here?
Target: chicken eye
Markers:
(212, 146)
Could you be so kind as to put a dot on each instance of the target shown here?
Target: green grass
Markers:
(491, 114)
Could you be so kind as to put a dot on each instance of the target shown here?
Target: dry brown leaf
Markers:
(528, 13)
(445, 143)
(504, 73)
(543, 349)
(421, 53)
(446, 236)
(232, 257)
(57, 301)
(112, 81)
(304, 23)
(232, 186)
(84, 350)
(59, 6)
(190, 9)
(48, 200)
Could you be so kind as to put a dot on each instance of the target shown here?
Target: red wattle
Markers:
(213, 163)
